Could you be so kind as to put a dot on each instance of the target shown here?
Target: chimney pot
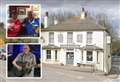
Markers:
(55, 22)
(46, 14)
(83, 14)
(46, 20)
(83, 9)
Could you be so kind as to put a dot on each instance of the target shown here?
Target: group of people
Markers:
(29, 27)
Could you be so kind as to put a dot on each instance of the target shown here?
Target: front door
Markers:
(69, 57)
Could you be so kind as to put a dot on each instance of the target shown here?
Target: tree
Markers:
(104, 21)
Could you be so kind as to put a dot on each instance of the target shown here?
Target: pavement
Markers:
(57, 73)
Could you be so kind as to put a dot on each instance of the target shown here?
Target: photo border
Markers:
(23, 77)
(1, 63)
(7, 7)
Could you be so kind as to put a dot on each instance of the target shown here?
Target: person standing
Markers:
(31, 24)
(14, 26)
(28, 59)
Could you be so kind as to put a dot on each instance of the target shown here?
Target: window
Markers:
(55, 55)
(69, 37)
(89, 56)
(82, 54)
(48, 54)
(98, 57)
(89, 37)
(60, 38)
(79, 38)
(51, 37)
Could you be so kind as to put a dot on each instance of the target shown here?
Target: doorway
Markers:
(69, 57)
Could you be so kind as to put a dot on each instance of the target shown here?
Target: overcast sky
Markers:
(109, 7)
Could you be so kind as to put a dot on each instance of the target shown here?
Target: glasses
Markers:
(25, 48)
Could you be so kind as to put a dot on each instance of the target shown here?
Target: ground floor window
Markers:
(82, 55)
(48, 52)
(97, 57)
(55, 55)
(89, 56)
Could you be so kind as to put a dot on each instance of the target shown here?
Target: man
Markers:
(28, 60)
(31, 24)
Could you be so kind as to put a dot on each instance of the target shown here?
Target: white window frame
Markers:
(87, 56)
(56, 55)
(48, 54)
(51, 37)
(89, 37)
(69, 37)
(79, 38)
(98, 57)
(60, 38)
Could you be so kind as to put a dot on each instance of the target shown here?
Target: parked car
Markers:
(2, 54)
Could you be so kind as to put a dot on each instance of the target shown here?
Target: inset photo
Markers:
(23, 20)
(24, 60)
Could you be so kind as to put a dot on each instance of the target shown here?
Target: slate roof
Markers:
(76, 24)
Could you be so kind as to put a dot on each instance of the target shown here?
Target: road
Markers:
(53, 73)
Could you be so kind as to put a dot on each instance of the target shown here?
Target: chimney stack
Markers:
(55, 21)
(83, 14)
(46, 20)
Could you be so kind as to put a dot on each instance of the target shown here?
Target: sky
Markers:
(111, 8)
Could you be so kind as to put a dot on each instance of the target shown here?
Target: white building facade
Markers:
(77, 42)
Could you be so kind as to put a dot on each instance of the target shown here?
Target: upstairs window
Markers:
(51, 37)
(60, 38)
(69, 37)
(79, 38)
(89, 37)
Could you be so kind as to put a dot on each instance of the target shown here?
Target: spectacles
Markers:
(25, 48)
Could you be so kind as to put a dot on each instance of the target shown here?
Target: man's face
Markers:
(26, 49)
(30, 14)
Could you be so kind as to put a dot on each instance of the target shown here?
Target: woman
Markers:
(14, 26)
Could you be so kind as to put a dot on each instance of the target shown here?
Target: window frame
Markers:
(89, 53)
(51, 37)
(60, 38)
(48, 55)
(89, 37)
(56, 55)
(69, 37)
(79, 38)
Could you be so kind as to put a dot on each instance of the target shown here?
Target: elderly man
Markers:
(31, 24)
(25, 63)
